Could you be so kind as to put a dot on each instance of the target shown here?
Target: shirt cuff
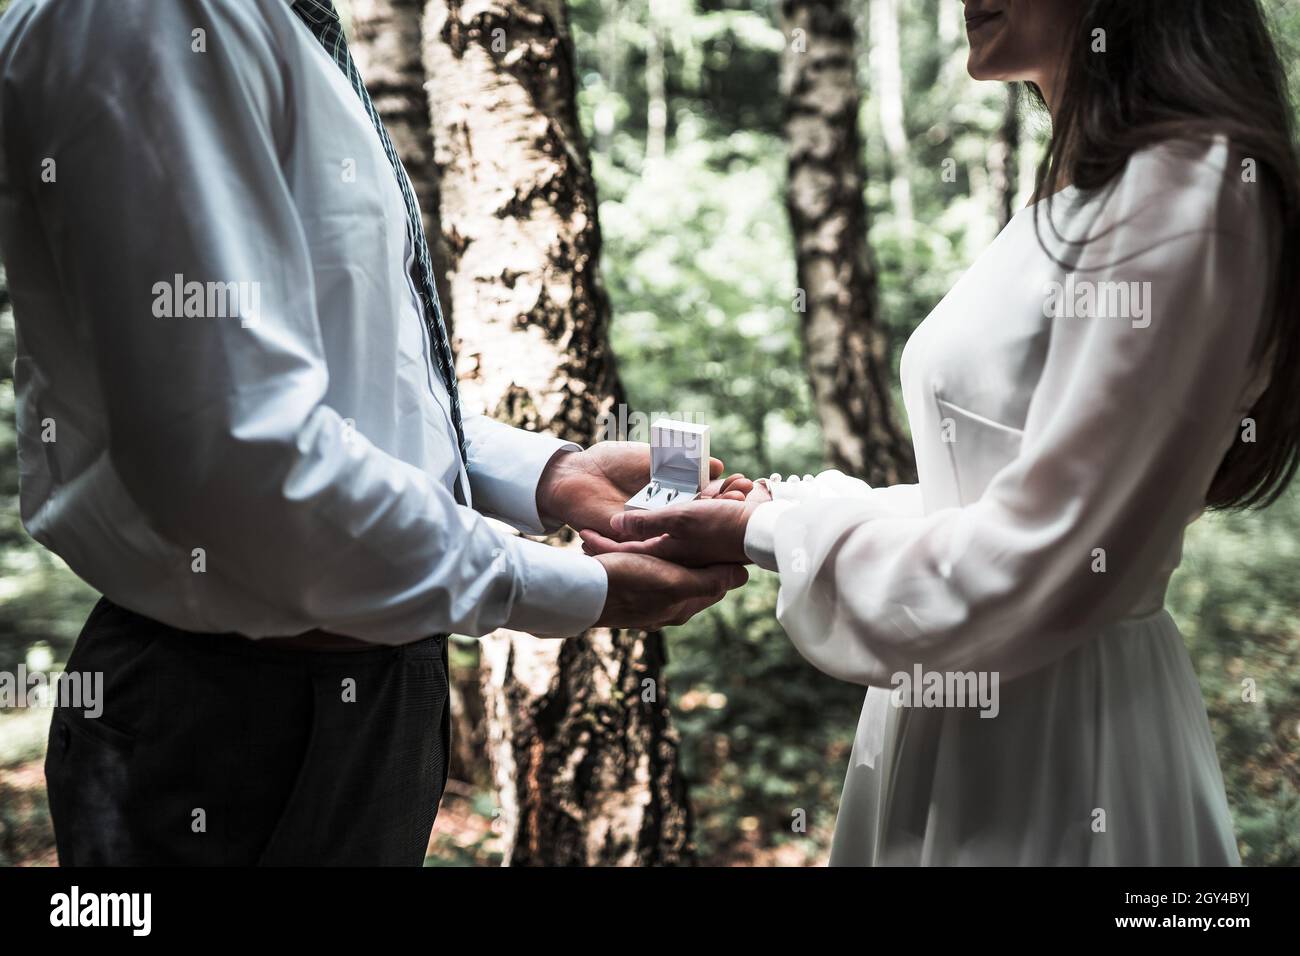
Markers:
(559, 593)
(760, 533)
(505, 464)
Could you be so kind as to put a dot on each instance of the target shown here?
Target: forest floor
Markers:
(26, 837)
(462, 835)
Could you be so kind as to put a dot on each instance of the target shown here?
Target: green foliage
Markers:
(764, 735)
(700, 329)
(1235, 599)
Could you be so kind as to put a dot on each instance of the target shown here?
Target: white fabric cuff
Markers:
(760, 533)
(505, 465)
(793, 488)
(559, 593)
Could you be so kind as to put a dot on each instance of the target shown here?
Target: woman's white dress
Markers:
(1067, 423)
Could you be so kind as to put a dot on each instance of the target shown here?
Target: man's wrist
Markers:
(505, 467)
(560, 592)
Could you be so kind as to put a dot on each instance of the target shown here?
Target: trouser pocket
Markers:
(87, 776)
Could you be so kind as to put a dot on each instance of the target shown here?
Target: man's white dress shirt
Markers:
(267, 450)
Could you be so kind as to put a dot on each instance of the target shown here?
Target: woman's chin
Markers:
(979, 69)
(982, 66)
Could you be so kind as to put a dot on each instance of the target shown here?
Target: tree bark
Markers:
(845, 346)
(386, 43)
(583, 752)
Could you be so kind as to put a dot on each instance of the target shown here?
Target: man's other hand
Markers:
(648, 593)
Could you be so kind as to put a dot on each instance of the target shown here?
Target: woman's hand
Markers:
(737, 488)
(702, 532)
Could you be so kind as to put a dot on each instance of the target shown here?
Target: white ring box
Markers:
(679, 465)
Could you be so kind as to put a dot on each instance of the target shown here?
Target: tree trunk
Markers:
(888, 61)
(468, 760)
(656, 137)
(949, 26)
(387, 46)
(953, 49)
(583, 752)
(845, 347)
(609, 59)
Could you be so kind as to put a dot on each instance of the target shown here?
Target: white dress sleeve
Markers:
(1124, 433)
(900, 499)
(903, 501)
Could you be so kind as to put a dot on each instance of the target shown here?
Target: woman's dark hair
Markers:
(1193, 69)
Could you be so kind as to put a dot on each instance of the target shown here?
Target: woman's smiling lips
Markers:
(975, 21)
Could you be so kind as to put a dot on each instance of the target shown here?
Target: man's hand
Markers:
(698, 533)
(647, 593)
(586, 489)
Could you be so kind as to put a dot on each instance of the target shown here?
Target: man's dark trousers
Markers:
(213, 749)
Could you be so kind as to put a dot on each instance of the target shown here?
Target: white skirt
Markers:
(1103, 758)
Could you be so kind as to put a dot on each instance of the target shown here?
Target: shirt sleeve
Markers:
(1124, 433)
(505, 464)
(170, 169)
